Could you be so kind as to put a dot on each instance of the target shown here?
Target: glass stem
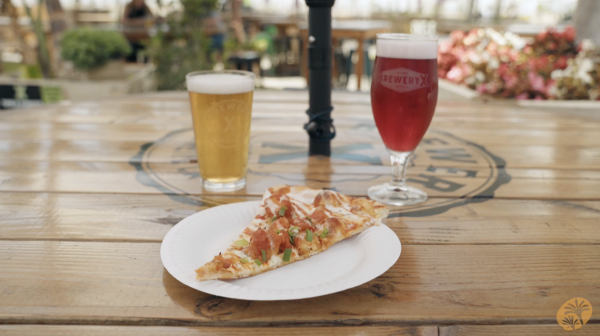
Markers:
(399, 164)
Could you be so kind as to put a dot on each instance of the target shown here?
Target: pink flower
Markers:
(569, 33)
(542, 36)
(536, 81)
(561, 63)
(511, 82)
(472, 56)
(457, 35)
(455, 74)
(481, 88)
(522, 96)
(503, 67)
(492, 88)
(445, 47)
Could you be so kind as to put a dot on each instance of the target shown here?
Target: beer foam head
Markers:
(406, 46)
(219, 83)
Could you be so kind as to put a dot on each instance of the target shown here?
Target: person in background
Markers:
(215, 29)
(136, 15)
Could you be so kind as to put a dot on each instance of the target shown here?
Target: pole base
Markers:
(319, 147)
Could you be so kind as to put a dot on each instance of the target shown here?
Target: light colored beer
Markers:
(221, 111)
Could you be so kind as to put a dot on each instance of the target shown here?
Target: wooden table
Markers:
(88, 191)
(359, 30)
(257, 21)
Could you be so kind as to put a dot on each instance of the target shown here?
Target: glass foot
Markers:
(393, 195)
(224, 187)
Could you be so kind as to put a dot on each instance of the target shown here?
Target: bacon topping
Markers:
(273, 198)
(221, 262)
(260, 241)
(269, 213)
(303, 224)
(319, 215)
(281, 191)
(280, 241)
(327, 197)
(289, 210)
(283, 222)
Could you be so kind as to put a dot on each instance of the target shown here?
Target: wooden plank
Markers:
(294, 102)
(66, 330)
(133, 129)
(317, 168)
(516, 330)
(74, 177)
(555, 157)
(530, 137)
(290, 132)
(43, 131)
(97, 217)
(455, 122)
(148, 110)
(71, 150)
(148, 133)
(81, 282)
(297, 101)
(147, 218)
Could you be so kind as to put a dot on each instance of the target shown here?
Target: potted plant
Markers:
(98, 52)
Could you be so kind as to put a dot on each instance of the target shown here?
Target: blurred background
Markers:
(54, 50)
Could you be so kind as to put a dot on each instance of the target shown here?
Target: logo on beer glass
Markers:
(402, 80)
(226, 123)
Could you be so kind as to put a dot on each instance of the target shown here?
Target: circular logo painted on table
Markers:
(453, 171)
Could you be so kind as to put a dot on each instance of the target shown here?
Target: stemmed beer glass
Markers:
(404, 93)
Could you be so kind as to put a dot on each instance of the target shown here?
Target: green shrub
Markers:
(90, 49)
(184, 48)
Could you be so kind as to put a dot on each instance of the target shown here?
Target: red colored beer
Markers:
(404, 91)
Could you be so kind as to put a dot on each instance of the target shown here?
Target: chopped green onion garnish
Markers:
(264, 255)
(293, 231)
(324, 233)
(309, 235)
(282, 211)
(287, 254)
(244, 260)
(258, 262)
(277, 231)
(273, 219)
(292, 240)
(241, 243)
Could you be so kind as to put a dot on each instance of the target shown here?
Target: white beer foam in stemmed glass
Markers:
(406, 46)
(220, 83)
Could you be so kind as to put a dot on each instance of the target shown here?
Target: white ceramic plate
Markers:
(349, 263)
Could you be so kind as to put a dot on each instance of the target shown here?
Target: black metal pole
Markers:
(320, 125)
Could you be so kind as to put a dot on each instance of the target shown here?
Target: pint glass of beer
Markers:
(404, 93)
(221, 110)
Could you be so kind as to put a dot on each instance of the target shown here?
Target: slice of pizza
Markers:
(292, 224)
